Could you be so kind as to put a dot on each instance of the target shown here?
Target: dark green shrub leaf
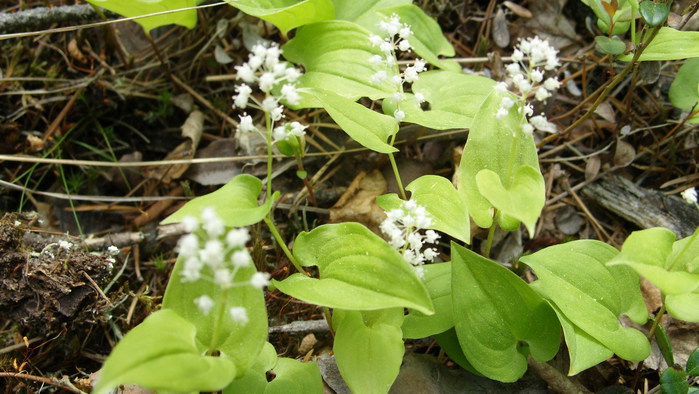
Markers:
(674, 381)
(654, 13)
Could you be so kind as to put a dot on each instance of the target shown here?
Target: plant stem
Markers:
(397, 175)
(282, 244)
(217, 323)
(268, 125)
(491, 235)
(656, 321)
(329, 318)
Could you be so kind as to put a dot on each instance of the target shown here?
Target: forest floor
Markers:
(89, 118)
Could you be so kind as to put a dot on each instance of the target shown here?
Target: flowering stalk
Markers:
(395, 37)
(403, 227)
(212, 254)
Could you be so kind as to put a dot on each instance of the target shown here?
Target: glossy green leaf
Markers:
(684, 91)
(427, 40)
(654, 13)
(523, 200)
(670, 44)
(241, 343)
(693, 363)
(674, 381)
(574, 278)
(369, 128)
(438, 282)
(287, 14)
(186, 18)
(584, 351)
(363, 12)
(683, 306)
(368, 348)
(293, 376)
(445, 205)
(503, 148)
(335, 56)
(611, 46)
(495, 313)
(161, 353)
(454, 98)
(235, 203)
(358, 271)
(255, 379)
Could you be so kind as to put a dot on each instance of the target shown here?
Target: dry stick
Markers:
(555, 379)
(64, 112)
(40, 379)
(203, 101)
(605, 93)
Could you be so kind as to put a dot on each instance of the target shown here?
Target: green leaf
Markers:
(335, 55)
(495, 313)
(523, 200)
(454, 98)
(161, 354)
(369, 128)
(287, 14)
(293, 376)
(664, 345)
(611, 46)
(241, 343)
(670, 44)
(438, 283)
(684, 306)
(363, 12)
(427, 40)
(674, 381)
(574, 278)
(441, 200)
(449, 342)
(186, 18)
(683, 91)
(501, 147)
(235, 202)
(654, 13)
(255, 379)
(693, 363)
(368, 348)
(358, 271)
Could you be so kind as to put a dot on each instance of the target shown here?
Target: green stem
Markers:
(656, 321)
(277, 236)
(394, 167)
(491, 235)
(268, 125)
(217, 323)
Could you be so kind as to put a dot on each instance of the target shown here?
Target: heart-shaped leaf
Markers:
(523, 200)
(186, 18)
(499, 146)
(445, 205)
(454, 99)
(235, 203)
(287, 14)
(438, 282)
(368, 348)
(161, 354)
(495, 312)
(674, 381)
(574, 278)
(358, 271)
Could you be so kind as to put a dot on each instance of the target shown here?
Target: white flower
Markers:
(212, 254)
(537, 75)
(399, 115)
(259, 280)
(245, 73)
(397, 97)
(246, 124)
(279, 133)
(204, 303)
(403, 226)
(214, 226)
(405, 32)
(190, 223)
(404, 45)
(192, 270)
(552, 84)
(410, 74)
(513, 69)
(500, 115)
(188, 246)
(507, 102)
(292, 74)
(420, 65)
(541, 123)
(239, 314)
(501, 87)
(375, 60)
(397, 80)
(297, 129)
(113, 250)
(267, 81)
(277, 113)
(378, 77)
(542, 94)
(65, 245)
(290, 93)
(240, 100)
(420, 98)
(375, 40)
(269, 103)
(223, 277)
(517, 55)
(241, 258)
(527, 129)
(237, 238)
(690, 195)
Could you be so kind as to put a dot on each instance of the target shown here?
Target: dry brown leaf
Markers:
(606, 112)
(192, 129)
(624, 153)
(35, 143)
(75, 52)
(518, 9)
(592, 167)
(358, 203)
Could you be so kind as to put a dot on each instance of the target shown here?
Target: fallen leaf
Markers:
(358, 203)
(518, 9)
(192, 129)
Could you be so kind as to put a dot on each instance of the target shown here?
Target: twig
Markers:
(45, 16)
(40, 379)
(555, 379)
(97, 288)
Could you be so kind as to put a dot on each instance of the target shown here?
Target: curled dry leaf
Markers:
(192, 129)
(358, 203)
(624, 153)
(75, 52)
(592, 167)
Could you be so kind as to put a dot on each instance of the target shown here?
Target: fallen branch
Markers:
(45, 16)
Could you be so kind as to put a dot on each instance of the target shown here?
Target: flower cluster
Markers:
(276, 80)
(211, 253)
(388, 44)
(531, 58)
(690, 195)
(402, 226)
